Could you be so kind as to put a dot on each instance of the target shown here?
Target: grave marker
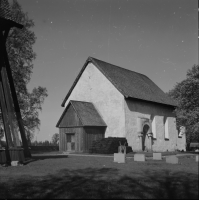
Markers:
(14, 163)
(157, 156)
(172, 160)
(120, 157)
(139, 157)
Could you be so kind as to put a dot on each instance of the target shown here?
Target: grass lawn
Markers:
(82, 177)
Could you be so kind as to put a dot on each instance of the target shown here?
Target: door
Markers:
(145, 140)
(70, 141)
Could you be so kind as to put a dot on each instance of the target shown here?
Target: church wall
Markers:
(142, 109)
(94, 87)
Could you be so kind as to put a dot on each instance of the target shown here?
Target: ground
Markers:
(81, 177)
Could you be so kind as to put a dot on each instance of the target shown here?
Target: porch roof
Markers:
(87, 113)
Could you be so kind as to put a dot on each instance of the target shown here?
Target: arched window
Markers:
(153, 119)
(166, 128)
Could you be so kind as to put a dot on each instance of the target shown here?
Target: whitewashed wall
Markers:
(94, 87)
(135, 109)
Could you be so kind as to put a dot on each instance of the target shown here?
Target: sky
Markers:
(158, 38)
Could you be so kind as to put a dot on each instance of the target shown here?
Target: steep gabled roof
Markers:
(6, 16)
(131, 84)
(86, 112)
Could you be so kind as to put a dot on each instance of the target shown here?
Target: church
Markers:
(110, 101)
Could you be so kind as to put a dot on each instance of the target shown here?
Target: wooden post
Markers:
(8, 91)
(10, 109)
(13, 92)
(3, 103)
(5, 117)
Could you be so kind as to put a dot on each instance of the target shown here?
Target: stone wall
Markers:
(94, 87)
(138, 108)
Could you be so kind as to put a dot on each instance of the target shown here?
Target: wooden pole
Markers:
(5, 117)
(10, 108)
(13, 93)
(3, 103)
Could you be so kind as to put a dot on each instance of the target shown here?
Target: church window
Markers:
(166, 128)
(154, 127)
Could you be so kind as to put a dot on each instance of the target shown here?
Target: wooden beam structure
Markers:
(5, 116)
(8, 97)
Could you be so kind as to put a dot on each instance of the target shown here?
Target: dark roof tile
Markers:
(87, 113)
(129, 83)
(6, 16)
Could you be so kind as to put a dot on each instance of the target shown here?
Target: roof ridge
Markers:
(95, 60)
(81, 101)
(129, 83)
(119, 67)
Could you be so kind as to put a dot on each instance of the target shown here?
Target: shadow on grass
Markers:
(104, 183)
(44, 152)
(43, 157)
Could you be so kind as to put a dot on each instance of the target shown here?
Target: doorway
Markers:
(70, 137)
(145, 139)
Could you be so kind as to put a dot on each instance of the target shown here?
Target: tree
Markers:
(46, 143)
(1, 133)
(186, 94)
(20, 52)
(1, 129)
(55, 138)
(1, 126)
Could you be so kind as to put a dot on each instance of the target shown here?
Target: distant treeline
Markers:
(35, 143)
(44, 143)
(39, 148)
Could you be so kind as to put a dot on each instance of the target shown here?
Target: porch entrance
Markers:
(146, 139)
(70, 137)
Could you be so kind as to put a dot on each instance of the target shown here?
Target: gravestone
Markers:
(157, 156)
(197, 158)
(139, 157)
(15, 163)
(120, 157)
(172, 160)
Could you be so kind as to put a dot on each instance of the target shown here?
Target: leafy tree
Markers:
(186, 94)
(46, 143)
(55, 138)
(20, 52)
(1, 126)
(35, 143)
(1, 133)
(1, 129)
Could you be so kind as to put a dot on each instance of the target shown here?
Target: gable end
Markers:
(80, 73)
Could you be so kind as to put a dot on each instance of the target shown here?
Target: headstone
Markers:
(172, 160)
(157, 156)
(139, 157)
(119, 157)
(15, 163)
(197, 158)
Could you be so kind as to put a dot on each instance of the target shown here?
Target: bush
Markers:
(109, 145)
